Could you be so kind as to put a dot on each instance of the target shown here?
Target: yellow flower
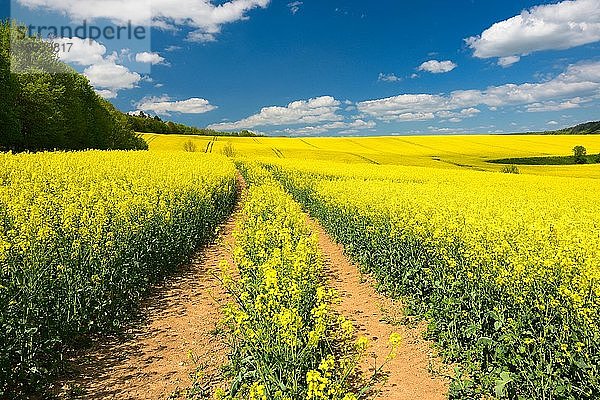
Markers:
(257, 392)
(395, 339)
(361, 344)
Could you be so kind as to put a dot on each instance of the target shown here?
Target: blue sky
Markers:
(345, 67)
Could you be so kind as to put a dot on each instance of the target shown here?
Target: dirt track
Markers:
(377, 317)
(154, 362)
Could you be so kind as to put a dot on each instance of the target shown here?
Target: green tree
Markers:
(228, 150)
(48, 105)
(580, 154)
(510, 169)
(10, 126)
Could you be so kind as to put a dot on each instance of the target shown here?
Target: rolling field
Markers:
(262, 200)
(287, 343)
(503, 268)
(450, 152)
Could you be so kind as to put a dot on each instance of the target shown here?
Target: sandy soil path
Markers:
(154, 360)
(411, 375)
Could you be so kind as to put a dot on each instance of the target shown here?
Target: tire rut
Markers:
(412, 374)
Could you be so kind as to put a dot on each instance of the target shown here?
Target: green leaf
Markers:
(500, 388)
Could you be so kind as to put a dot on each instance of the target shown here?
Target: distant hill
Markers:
(145, 123)
(588, 128)
(49, 106)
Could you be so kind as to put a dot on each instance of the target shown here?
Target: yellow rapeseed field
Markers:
(285, 340)
(504, 267)
(283, 330)
(465, 152)
(83, 235)
(507, 267)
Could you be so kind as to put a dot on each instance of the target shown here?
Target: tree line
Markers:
(587, 128)
(146, 123)
(49, 106)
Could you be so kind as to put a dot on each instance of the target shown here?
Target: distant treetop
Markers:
(588, 128)
(146, 123)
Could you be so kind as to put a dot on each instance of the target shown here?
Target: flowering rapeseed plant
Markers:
(82, 235)
(507, 268)
(286, 340)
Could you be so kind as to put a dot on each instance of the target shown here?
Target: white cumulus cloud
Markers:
(557, 105)
(507, 61)
(80, 51)
(109, 78)
(107, 94)
(205, 17)
(546, 27)
(342, 128)
(579, 80)
(165, 106)
(437, 67)
(149, 58)
(315, 110)
(103, 70)
(388, 78)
